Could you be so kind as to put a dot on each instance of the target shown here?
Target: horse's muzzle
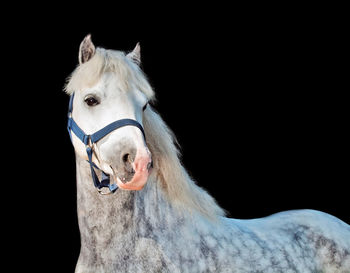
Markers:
(141, 166)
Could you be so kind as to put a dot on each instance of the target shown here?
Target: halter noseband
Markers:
(89, 140)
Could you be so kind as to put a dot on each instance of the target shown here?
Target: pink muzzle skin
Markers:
(142, 166)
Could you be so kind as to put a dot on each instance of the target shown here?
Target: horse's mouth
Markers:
(136, 183)
(139, 179)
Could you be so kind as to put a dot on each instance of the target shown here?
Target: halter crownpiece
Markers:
(89, 140)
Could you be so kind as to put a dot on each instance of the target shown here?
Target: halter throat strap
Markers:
(89, 140)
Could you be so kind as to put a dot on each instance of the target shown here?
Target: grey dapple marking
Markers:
(158, 229)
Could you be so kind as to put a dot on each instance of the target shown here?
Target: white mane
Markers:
(178, 186)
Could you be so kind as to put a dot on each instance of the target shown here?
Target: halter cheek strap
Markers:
(89, 140)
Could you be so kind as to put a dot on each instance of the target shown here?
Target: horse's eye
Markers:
(91, 101)
(144, 107)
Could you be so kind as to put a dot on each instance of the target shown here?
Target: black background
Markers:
(253, 96)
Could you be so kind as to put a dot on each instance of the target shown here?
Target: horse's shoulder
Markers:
(310, 221)
(327, 234)
(311, 226)
(315, 233)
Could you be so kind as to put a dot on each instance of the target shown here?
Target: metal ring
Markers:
(104, 192)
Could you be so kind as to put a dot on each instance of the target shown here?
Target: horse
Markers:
(140, 211)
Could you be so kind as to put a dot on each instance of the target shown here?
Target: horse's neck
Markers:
(106, 219)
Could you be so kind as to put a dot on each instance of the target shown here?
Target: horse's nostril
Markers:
(128, 164)
(125, 158)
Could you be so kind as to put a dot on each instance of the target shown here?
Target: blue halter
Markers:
(89, 140)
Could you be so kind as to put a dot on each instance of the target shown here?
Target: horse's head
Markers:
(109, 86)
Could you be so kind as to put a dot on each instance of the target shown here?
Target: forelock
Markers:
(89, 73)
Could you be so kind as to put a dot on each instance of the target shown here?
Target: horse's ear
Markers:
(135, 55)
(86, 50)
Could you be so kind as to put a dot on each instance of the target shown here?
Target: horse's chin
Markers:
(137, 183)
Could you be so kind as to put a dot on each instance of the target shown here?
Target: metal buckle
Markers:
(111, 189)
(104, 192)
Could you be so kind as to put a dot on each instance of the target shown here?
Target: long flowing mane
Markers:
(180, 189)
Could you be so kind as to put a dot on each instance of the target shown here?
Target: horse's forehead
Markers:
(109, 82)
(110, 79)
(110, 87)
